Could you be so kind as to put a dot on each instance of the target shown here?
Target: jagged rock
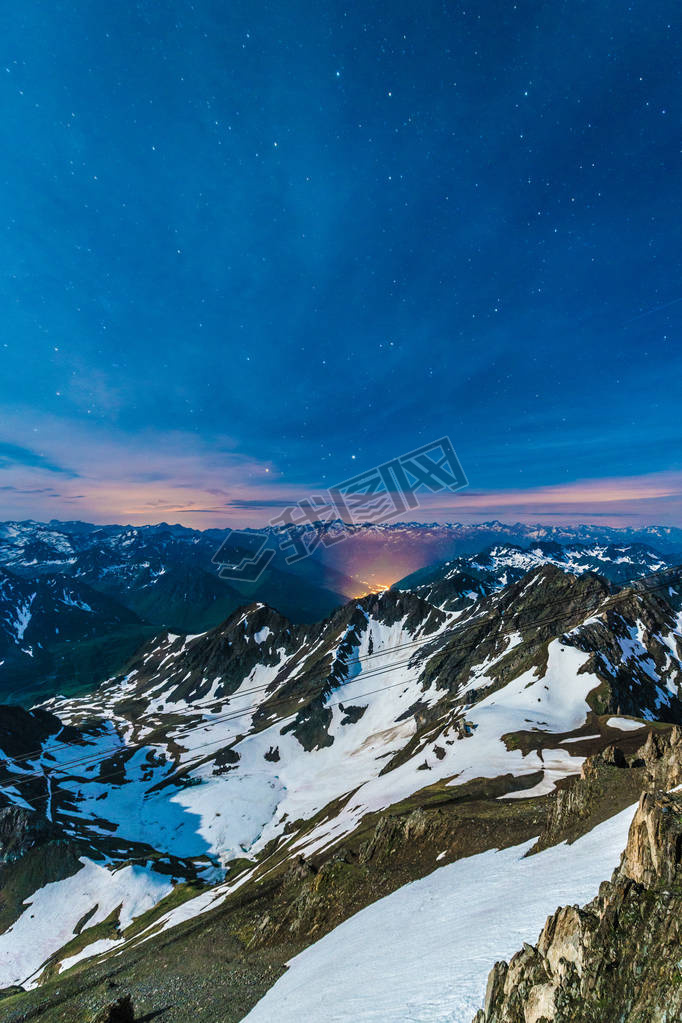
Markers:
(20, 830)
(654, 849)
(120, 1011)
(351, 714)
(463, 728)
(662, 756)
(607, 783)
(618, 958)
(614, 755)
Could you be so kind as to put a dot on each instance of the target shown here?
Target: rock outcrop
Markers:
(120, 1011)
(662, 759)
(619, 959)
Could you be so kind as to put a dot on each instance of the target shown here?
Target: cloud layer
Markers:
(97, 475)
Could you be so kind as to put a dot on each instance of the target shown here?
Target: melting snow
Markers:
(423, 954)
(624, 724)
(29, 942)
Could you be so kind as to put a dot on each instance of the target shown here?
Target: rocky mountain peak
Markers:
(616, 958)
(654, 850)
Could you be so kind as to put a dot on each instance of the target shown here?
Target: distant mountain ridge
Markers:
(65, 539)
(135, 581)
(454, 584)
(162, 576)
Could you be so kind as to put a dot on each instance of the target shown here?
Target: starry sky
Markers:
(249, 249)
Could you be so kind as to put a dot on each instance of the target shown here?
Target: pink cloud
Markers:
(177, 477)
(654, 497)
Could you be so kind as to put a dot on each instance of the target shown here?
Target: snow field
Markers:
(423, 954)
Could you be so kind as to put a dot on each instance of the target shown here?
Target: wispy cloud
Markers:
(173, 475)
(615, 490)
(177, 476)
(16, 455)
(654, 497)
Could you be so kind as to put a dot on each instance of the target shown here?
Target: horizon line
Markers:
(368, 524)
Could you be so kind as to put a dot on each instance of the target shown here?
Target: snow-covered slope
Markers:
(262, 741)
(52, 608)
(461, 581)
(55, 915)
(423, 953)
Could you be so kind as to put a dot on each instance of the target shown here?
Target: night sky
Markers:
(249, 249)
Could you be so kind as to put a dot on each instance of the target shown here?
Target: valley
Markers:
(253, 786)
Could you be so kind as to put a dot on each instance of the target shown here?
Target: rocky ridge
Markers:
(404, 714)
(618, 958)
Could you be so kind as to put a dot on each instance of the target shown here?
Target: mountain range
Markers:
(129, 582)
(232, 799)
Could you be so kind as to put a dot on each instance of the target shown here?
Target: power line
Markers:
(101, 756)
(256, 689)
(105, 755)
(218, 701)
(216, 742)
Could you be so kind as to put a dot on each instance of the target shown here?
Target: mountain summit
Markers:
(262, 754)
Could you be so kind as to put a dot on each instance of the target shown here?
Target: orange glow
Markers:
(365, 588)
(177, 477)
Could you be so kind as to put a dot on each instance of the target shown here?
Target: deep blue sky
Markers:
(249, 248)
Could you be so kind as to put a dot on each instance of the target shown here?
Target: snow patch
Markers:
(424, 953)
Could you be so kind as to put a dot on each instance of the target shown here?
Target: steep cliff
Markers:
(618, 959)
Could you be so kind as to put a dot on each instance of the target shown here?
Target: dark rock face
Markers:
(623, 633)
(33, 850)
(21, 830)
(311, 661)
(633, 621)
(542, 606)
(628, 638)
(608, 783)
(227, 653)
(662, 759)
(23, 731)
(120, 1011)
(618, 958)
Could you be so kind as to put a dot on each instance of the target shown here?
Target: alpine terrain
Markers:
(278, 819)
(124, 583)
